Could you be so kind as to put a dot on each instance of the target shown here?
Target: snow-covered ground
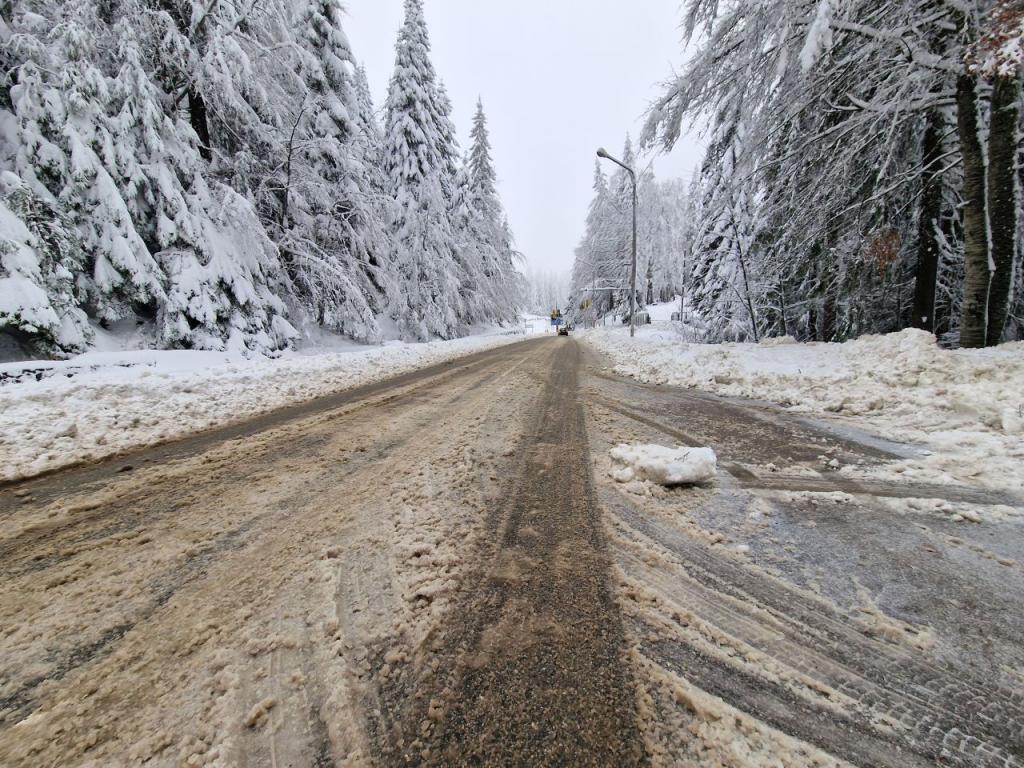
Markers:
(53, 414)
(964, 408)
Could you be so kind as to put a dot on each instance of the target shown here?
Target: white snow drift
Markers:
(964, 409)
(662, 465)
(53, 414)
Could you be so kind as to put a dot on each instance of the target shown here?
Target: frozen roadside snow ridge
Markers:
(661, 465)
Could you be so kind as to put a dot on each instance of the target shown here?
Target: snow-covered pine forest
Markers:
(214, 172)
(862, 174)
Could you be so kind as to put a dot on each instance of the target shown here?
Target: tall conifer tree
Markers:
(418, 162)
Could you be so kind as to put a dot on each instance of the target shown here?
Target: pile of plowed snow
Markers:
(965, 406)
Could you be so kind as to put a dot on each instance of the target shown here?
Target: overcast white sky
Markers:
(559, 78)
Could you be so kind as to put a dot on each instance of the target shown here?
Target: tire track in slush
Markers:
(529, 669)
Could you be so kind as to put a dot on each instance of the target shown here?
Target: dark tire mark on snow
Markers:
(851, 738)
(529, 668)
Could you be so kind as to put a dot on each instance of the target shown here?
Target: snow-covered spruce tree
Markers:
(332, 237)
(286, 129)
(620, 260)
(219, 165)
(40, 257)
(66, 154)
(93, 97)
(235, 71)
(470, 254)
(155, 167)
(649, 226)
(671, 222)
(369, 137)
(724, 274)
(665, 221)
(546, 291)
(366, 115)
(594, 267)
(225, 285)
(664, 233)
(497, 259)
(604, 256)
(419, 163)
(600, 274)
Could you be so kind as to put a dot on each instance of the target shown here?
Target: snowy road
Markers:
(439, 570)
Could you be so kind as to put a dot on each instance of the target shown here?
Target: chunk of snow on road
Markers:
(661, 465)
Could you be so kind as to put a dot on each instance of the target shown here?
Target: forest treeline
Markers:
(862, 172)
(215, 171)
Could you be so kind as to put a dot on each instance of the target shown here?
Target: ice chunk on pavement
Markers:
(662, 465)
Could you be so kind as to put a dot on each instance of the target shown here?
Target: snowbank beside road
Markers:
(965, 406)
(101, 403)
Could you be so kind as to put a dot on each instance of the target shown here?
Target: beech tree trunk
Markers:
(927, 234)
(977, 272)
(1002, 200)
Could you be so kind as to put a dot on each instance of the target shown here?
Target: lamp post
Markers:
(603, 154)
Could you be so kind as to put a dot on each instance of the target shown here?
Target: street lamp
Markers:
(603, 154)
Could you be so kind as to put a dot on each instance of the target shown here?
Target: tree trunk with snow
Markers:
(977, 265)
(928, 221)
(200, 123)
(1003, 208)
